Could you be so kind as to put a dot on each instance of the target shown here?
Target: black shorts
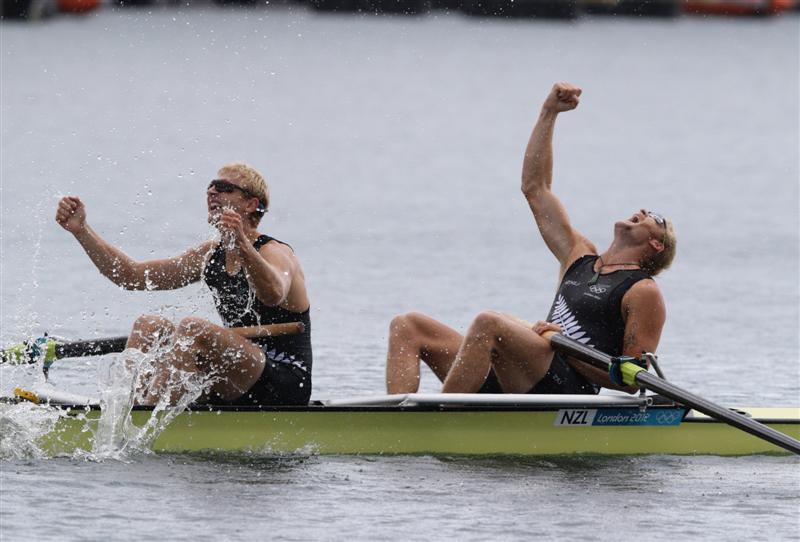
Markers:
(282, 383)
(560, 378)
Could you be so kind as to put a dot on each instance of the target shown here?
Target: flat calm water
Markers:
(393, 148)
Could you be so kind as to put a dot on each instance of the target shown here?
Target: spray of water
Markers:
(21, 428)
(122, 380)
(125, 383)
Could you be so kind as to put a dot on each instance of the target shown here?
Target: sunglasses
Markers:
(224, 187)
(660, 220)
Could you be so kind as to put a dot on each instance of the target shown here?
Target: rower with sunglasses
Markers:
(254, 279)
(608, 301)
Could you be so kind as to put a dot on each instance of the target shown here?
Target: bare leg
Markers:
(414, 337)
(206, 349)
(518, 355)
(149, 330)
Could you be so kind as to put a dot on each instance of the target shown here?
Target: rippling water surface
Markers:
(393, 147)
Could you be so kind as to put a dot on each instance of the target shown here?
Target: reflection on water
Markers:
(466, 498)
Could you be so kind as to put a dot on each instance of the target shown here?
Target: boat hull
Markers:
(445, 431)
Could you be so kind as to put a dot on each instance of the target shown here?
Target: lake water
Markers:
(393, 148)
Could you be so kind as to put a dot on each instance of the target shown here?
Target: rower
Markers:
(255, 280)
(607, 300)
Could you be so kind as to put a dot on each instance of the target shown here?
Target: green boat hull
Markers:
(446, 431)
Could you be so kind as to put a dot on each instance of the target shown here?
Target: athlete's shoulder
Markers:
(272, 245)
(279, 253)
(581, 252)
(644, 293)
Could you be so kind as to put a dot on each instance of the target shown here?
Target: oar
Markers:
(631, 374)
(49, 349)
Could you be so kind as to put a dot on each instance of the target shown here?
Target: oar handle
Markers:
(270, 330)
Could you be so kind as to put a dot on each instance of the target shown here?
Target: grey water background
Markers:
(393, 148)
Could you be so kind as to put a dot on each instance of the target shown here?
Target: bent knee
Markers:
(406, 325)
(194, 327)
(487, 322)
(152, 322)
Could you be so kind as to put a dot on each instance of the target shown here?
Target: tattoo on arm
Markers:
(630, 337)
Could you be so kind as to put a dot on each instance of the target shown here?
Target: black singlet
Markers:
(588, 313)
(286, 379)
(592, 313)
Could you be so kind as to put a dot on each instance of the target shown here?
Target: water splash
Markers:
(117, 394)
(21, 428)
(122, 385)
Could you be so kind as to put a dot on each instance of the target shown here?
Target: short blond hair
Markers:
(252, 181)
(655, 263)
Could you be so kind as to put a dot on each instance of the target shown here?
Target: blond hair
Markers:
(656, 262)
(252, 181)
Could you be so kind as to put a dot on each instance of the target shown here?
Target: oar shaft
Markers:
(571, 347)
(100, 347)
(653, 383)
(96, 347)
(731, 417)
(108, 345)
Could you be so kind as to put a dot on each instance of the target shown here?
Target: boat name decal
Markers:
(574, 417)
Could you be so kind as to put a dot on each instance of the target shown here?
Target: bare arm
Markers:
(537, 177)
(121, 269)
(644, 313)
(272, 271)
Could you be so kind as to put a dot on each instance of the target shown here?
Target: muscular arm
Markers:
(644, 313)
(537, 177)
(121, 269)
(270, 271)
(125, 272)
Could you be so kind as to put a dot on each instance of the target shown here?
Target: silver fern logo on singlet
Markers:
(562, 315)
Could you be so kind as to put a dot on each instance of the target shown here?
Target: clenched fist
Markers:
(562, 97)
(71, 214)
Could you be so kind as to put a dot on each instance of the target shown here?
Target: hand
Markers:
(230, 225)
(541, 327)
(562, 97)
(71, 214)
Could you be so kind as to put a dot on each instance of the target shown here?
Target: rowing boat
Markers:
(446, 424)
(670, 420)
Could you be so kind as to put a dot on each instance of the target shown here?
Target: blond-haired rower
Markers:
(255, 280)
(608, 301)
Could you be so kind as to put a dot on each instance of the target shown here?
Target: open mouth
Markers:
(214, 211)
